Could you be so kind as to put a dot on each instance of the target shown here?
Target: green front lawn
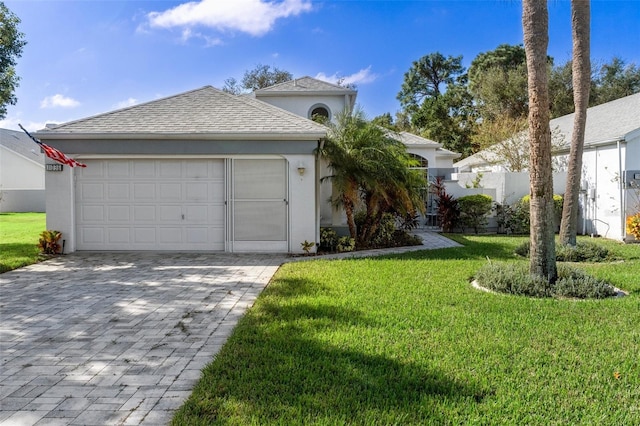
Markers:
(19, 239)
(406, 340)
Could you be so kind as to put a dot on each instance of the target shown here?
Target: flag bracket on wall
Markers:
(53, 153)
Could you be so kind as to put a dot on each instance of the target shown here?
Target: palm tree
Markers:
(343, 160)
(370, 170)
(581, 64)
(535, 23)
(396, 188)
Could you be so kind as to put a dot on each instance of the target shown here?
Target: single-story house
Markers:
(201, 170)
(610, 170)
(21, 173)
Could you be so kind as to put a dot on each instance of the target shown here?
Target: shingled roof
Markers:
(608, 122)
(409, 139)
(304, 86)
(206, 113)
(17, 141)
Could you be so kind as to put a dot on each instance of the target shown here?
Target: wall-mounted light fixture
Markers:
(301, 169)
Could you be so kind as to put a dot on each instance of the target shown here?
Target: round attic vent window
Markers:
(319, 113)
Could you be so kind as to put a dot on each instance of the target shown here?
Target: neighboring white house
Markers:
(611, 165)
(203, 170)
(21, 173)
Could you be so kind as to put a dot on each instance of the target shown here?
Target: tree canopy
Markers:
(465, 109)
(11, 44)
(436, 101)
(258, 78)
(428, 77)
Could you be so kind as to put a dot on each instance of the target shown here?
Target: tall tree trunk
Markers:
(349, 195)
(535, 24)
(581, 67)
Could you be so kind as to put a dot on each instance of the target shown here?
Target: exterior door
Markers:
(259, 205)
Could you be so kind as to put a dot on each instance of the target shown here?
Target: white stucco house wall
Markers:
(203, 170)
(22, 186)
(611, 165)
(307, 96)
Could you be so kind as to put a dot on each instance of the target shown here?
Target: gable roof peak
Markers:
(306, 84)
(207, 111)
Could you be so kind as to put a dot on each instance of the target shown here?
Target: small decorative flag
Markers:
(53, 153)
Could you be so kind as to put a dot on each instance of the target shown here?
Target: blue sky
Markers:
(88, 57)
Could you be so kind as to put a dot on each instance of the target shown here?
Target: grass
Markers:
(405, 339)
(19, 239)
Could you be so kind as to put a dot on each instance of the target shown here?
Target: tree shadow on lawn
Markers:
(302, 363)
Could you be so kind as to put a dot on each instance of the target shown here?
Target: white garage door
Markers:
(136, 204)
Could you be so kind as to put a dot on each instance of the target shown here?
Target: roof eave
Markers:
(304, 93)
(588, 145)
(453, 155)
(422, 145)
(183, 136)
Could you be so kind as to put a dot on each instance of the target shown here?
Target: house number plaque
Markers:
(53, 167)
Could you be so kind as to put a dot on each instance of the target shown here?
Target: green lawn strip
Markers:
(19, 239)
(406, 340)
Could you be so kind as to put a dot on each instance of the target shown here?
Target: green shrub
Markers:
(388, 234)
(524, 209)
(346, 244)
(584, 251)
(474, 210)
(383, 237)
(512, 219)
(577, 284)
(514, 278)
(328, 240)
(402, 238)
(523, 249)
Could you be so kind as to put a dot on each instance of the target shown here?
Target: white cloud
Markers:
(363, 76)
(58, 100)
(126, 103)
(187, 33)
(31, 126)
(254, 17)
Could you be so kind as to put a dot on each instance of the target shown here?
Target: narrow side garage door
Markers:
(150, 204)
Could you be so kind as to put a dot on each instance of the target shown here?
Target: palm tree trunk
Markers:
(581, 67)
(349, 211)
(535, 23)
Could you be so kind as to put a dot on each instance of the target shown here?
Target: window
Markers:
(423, 163)
(319, 113)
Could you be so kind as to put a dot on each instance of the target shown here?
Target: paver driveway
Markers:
(108, 339)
